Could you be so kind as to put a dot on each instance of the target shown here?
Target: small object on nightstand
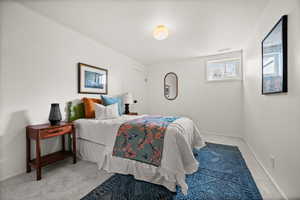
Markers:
(55, 115)
(127, 100)
(45, 131)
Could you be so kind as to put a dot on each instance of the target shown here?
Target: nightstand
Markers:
(45, 131)
(132, 113)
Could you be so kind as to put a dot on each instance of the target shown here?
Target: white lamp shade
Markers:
(128, 99)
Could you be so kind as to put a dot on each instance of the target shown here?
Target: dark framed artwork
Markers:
(275, 58)
(91, 79)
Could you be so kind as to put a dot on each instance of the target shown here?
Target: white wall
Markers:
(38, 60)
(1, 85)
(216, 107)
(39, 66)
(272, 122)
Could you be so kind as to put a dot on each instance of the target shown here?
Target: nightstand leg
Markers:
(63, 142)
(38, 160)
(74, 146)
(28, 149)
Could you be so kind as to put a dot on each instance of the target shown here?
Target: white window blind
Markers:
(223, 69)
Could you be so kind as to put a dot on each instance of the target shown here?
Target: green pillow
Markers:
(75, 111)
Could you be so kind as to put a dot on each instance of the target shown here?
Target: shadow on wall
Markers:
(14, 140)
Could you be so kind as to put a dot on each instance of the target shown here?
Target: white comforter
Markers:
(178, 160)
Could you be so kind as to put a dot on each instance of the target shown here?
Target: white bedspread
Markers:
(178, 160)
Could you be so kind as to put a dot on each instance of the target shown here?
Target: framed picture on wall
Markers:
(275, 58)
(91, 79)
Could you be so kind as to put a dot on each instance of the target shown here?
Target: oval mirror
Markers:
(171, 86)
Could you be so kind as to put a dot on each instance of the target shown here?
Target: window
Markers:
(223, 69)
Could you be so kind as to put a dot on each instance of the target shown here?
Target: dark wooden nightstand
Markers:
(45, 131)
(132, 113)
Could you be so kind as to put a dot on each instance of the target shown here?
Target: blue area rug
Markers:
(222, 175)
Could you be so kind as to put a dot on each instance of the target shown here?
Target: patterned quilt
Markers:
(142, 139)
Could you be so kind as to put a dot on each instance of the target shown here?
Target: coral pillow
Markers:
(89, 107)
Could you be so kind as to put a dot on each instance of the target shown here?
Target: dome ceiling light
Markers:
(160, 32)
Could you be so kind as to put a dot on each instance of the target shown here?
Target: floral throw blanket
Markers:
(142, 139)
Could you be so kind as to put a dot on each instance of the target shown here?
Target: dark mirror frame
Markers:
(284, 37)
(176, 86)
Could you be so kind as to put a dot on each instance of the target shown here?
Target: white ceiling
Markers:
(197, 28)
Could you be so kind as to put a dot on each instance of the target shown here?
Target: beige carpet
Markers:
(60, 181)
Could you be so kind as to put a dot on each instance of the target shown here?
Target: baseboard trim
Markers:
(204, 132)
(19, 172)
(266, 171)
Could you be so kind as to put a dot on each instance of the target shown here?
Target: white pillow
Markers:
(121, 96)
(106, 112)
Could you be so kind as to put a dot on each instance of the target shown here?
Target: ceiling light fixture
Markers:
(160, 32)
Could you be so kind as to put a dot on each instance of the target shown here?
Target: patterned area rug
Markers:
(222, 175)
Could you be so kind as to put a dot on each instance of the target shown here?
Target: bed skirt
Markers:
(96, 153)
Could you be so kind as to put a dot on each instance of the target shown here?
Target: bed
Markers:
(96, 139)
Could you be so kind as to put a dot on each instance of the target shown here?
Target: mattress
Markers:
(100, 131)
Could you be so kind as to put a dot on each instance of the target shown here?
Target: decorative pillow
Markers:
(121, 97)
(75, 110)
(113, 100)
(89, 107)
(106, 112)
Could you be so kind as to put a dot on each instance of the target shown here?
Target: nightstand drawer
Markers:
(47, 133)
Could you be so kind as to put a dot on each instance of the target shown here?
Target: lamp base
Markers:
(126, 109)
(54, 122)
